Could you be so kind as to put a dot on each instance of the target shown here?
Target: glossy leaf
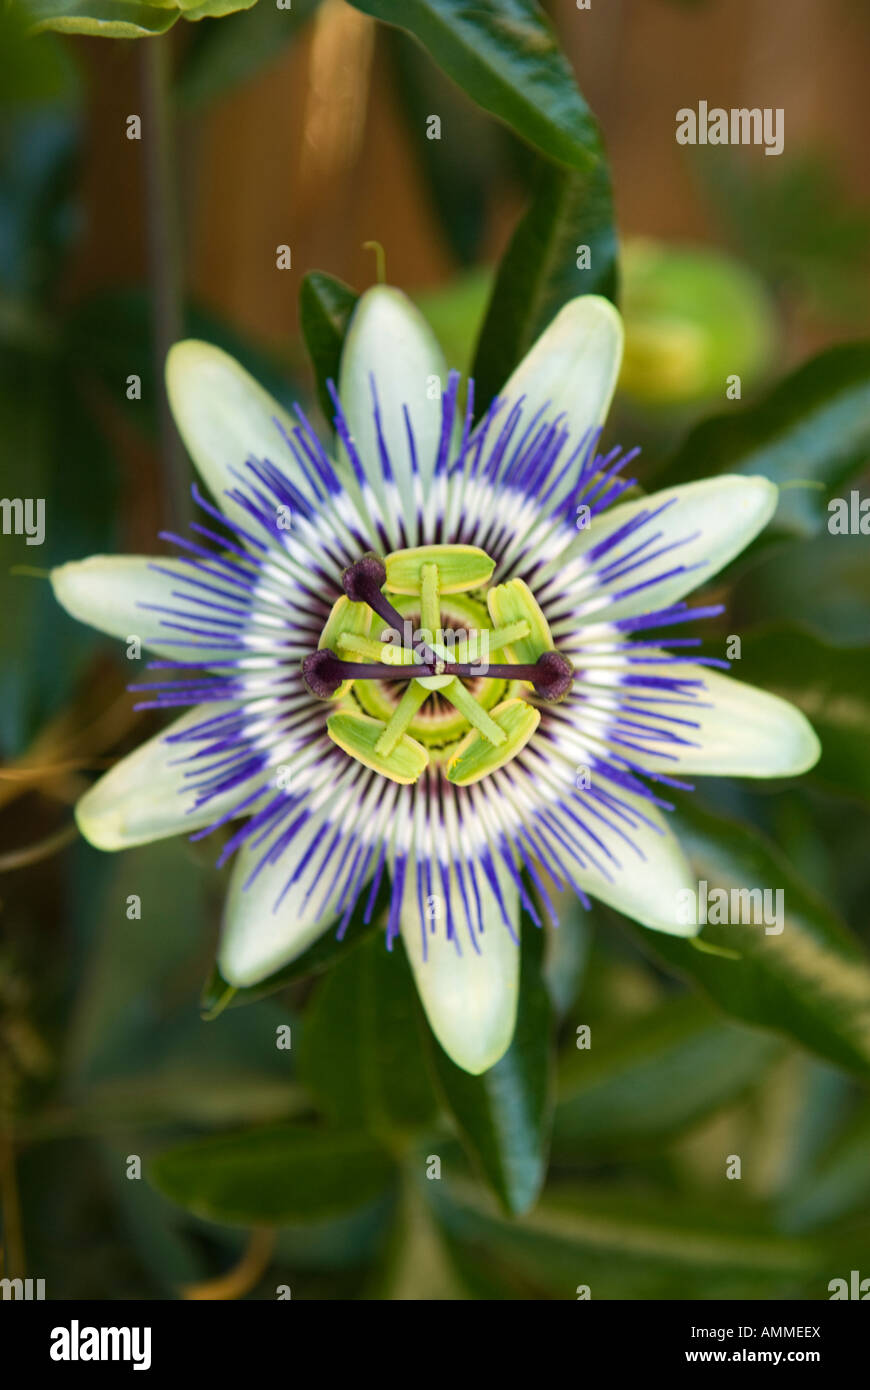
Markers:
(362, 1045)
(282, 1173)
(505, 55)
(111, 19)
(539, 271)
(125, 19)
(325, 308)
(814, 426)
(503, 1115)
(646, 1079)
(832, 687)
(212, 9)
(810, 982)
(626, 1246)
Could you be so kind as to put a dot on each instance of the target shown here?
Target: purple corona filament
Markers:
(249, 602)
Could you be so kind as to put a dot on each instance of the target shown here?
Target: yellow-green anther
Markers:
(476, 757)
(430, 606)
(359, 735)
(345, 619)
(462, 699)
(414, 696)
(514, 602)
(350, 645)
(460, 568)
(496, 639)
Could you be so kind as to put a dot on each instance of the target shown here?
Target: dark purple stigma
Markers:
(364, 579)
(324, 671)
(552, 674)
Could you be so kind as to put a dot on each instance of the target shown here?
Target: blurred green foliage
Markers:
(798, 225)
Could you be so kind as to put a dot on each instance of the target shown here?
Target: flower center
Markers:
(406, 654)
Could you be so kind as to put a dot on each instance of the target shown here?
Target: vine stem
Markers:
(164, 255)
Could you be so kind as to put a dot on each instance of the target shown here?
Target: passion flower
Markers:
(522, 739)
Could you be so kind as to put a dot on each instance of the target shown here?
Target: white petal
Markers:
(256, 938)
(225, 417)
(264, 926)
(389, 339)
(647, 889)
(470, 999)
(574, 365)
(707, 522)
(743, 732)
(108, 593)
(143, 798)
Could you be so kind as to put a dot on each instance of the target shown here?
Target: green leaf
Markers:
(417, 1266)
(655, 1246)
(539, 272)
(823, 580)
(120, 1067)
(503, 1115)
(111, 19)
(212, 9)
(567, 953)
(837, 1184)
(155, 1229)
(460, 167)
(811, 982)
(124, 19)
(832, 687)
(33, 74)
(282, 1173)
(814, 426)
(223, 55)
(325, 307)
(131, 961)
(505, 55)
(361, 1052)
(50, 443)
(646, 1079)
(339, 1243)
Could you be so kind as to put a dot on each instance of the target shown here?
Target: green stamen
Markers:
(498, 638)
(470, 734)
(413, 697)
(375, 651)
(430, 606)
(463, 700)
